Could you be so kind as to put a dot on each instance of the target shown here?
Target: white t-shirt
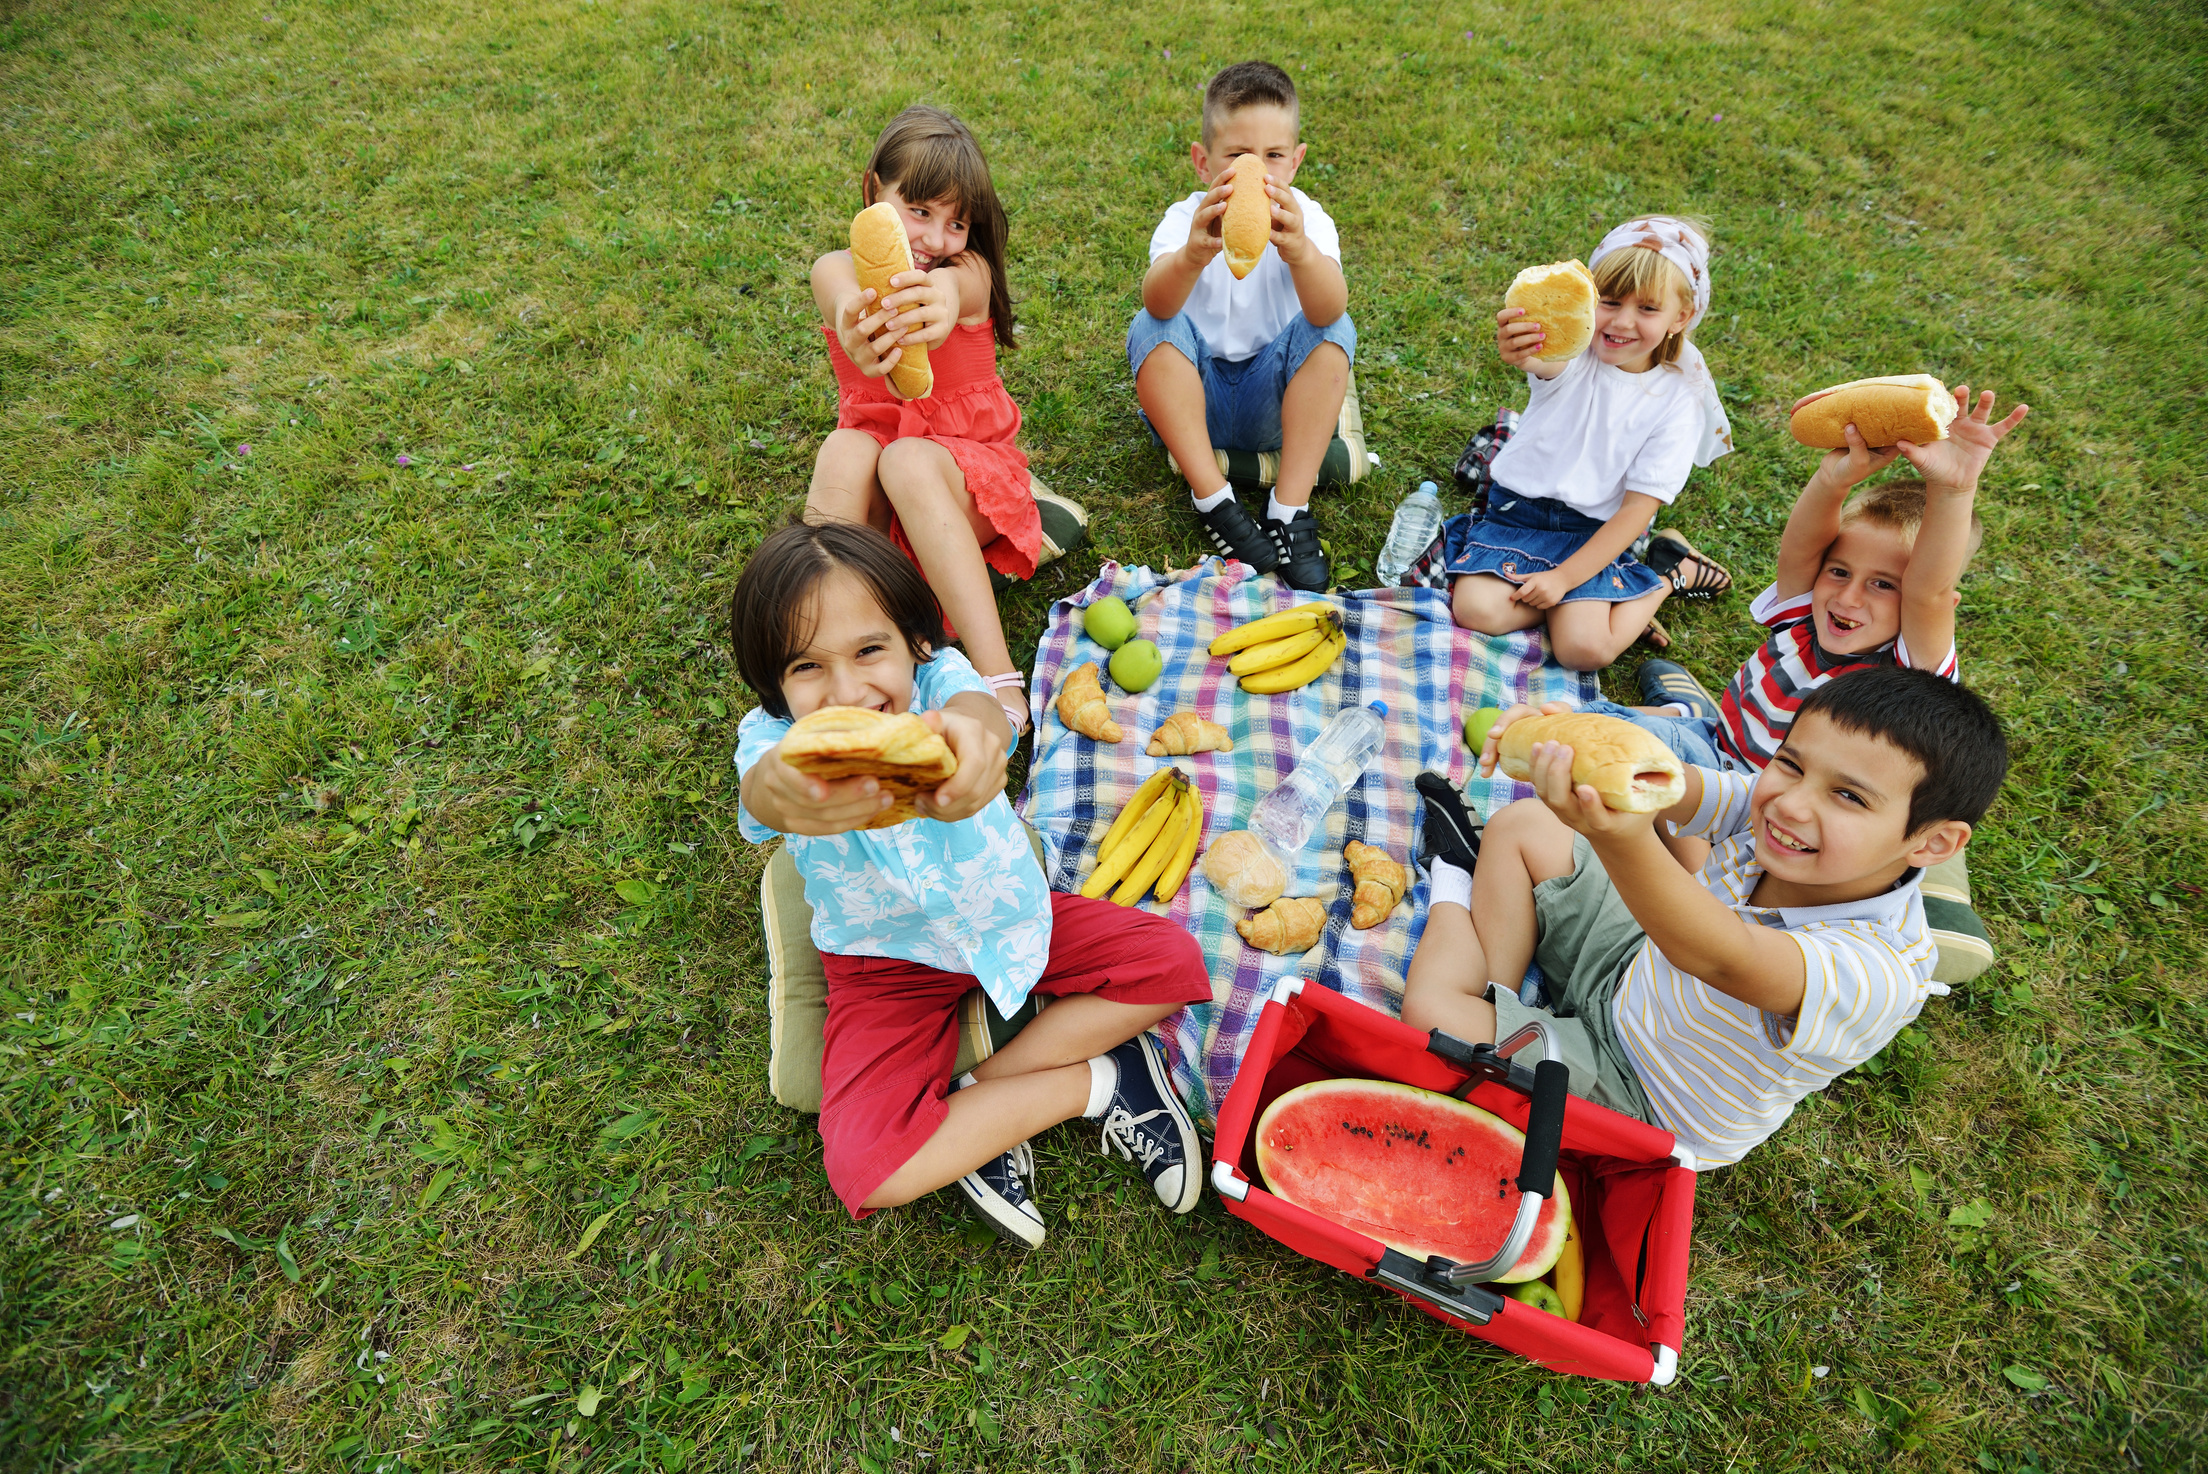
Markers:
(1239, 317)
(1595, 432)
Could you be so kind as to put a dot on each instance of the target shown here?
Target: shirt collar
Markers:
(1888, 907)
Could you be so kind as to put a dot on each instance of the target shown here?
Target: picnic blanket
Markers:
(1403, 650)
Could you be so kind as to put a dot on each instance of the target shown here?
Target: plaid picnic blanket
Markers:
(1403, 650)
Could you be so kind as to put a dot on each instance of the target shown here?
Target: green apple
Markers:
(1538, 1295)
(1477, 725)
(1109, 622)
(1135, 665)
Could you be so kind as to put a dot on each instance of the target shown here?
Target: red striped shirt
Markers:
(1769, 688)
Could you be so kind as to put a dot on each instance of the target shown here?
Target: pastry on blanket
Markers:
(1241, 868)
(1290, 924)
(1081, 705)
(1185, 732)
(1911, 407)
(1379, 880)
(1631, 768)
(897, 750)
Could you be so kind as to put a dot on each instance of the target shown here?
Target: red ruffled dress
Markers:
(970, 415)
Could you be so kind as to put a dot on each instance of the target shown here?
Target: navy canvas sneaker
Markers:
(997, 1192)
(1146, 1125)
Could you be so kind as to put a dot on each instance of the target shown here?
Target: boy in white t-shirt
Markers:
(1256, 364)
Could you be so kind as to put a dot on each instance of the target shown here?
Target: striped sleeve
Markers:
(1950, 667)
(1861, 989)
(1724, 809)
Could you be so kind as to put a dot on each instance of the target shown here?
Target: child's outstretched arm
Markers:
(790, 802)
(1320, 290)
(868, 330)
(1815, 520)
(1165, 287)
(1950, 469)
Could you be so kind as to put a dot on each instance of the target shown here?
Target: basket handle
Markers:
(1536, 1175)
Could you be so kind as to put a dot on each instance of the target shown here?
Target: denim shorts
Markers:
(1693, 740)
(1242, 398)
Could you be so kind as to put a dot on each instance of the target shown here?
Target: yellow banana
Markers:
(1298, 673)
(1130, 851)
(1154, 860)
(1277, 652)
(1136, 808)
(1176, 869)
(1271, 627)
(1571, 1273)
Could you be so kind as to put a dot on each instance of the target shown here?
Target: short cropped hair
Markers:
(1247, 84)
(1950, 731)
(771, 615)
(1898, 506)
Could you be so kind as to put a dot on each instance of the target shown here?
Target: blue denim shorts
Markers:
(1242, 398)
(1693, 740)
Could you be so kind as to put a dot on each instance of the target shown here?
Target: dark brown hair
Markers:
(1247, 84)
(1950, 731)
(926, 154)
(770, 615)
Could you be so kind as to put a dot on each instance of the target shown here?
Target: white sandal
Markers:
(1015, 707)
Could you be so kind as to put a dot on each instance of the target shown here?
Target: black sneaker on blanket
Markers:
(997, 1192)
(1146, 1125)
(1238, 535)
(1302, 561)
(1451, 831)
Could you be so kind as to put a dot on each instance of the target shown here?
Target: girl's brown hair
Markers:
(770, 615)
(926, 154)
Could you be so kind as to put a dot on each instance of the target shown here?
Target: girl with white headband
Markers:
(1608, 437)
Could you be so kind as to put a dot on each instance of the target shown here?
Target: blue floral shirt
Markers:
(966, 897)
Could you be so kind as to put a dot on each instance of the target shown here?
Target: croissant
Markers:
(1185, 732)
(1081, 705)
(1380, 884)
(1242, 869)
(1290, 924)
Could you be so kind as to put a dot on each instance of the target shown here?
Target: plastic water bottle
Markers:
(1417, 520)
(1291, 813)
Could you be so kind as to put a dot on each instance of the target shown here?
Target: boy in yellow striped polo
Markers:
(1709, 1003)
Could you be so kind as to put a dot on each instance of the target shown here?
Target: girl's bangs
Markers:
(935, 168)
(1631, 271)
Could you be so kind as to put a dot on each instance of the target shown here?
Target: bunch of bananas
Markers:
(1283, 651)
(1152, 842)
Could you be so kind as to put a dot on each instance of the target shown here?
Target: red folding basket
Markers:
(1632, 1187)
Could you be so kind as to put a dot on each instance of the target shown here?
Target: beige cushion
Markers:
(1345, 463)
(797, 992)
(1965, 949)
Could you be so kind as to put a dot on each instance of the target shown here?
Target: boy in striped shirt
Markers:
(1711, 1003)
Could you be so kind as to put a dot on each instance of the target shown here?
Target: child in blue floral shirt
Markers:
(909, 917)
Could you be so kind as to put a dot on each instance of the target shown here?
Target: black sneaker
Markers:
(1146, 1125)
(1238, 535)
(997, 1192)
(1451, 832)
(1668, 683)
(1302, 561)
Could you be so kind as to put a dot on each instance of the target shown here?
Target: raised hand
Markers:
(1518, 338)
(869, 334)
(1954, 464)
(981, 762)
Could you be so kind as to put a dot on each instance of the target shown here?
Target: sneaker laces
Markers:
(1123, 1133)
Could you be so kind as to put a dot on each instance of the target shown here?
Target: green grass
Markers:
(379, 930)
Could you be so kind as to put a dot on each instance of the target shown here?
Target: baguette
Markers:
(1561, 298)
(1911, 407)
(898, 751)
(1632, 769)
(1247, 226)
(879, 251)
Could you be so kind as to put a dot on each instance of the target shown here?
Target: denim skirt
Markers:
(1519, 536)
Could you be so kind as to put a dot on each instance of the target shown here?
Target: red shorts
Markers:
(892, 1036)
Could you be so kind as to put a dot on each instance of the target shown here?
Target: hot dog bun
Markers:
(1561, 298)
(1248, 224)
(880, 250)
(1632, 769)
(1911, 407)
(898, 751)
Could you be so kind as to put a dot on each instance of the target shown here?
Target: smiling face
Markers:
(1830, 815)
(854, 655)
(1630, 328)
(936, 228)
(1265, 129)
(1855, 604)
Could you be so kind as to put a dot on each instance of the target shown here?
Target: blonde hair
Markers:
(926, 154)
(1898, 506)
(1631, 271)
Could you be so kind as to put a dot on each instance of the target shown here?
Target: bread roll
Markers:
(897, 750)
(1911, 407)
(1242, 869)
(880, 250)
(1561, 298)
(1247, 226)
(1631, 768)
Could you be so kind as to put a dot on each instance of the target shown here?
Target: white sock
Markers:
(1445, 882)
(1103, 1081)
(1675, 708)
(1280, 511)
(964, 1080)
(1206, 503)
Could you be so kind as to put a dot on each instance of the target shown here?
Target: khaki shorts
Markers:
(1587, 940)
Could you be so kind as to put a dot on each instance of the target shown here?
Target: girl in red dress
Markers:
(943, 476)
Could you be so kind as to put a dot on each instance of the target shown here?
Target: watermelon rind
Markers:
(1421, 1172)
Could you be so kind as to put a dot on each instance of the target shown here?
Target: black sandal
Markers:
(1692, 574)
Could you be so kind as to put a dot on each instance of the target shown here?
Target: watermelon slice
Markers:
(1422, 1173)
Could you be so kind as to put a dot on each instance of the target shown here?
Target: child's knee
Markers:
(1581, 650)
(1479, 603)
(912, 468)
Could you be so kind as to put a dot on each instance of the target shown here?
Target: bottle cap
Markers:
(1379, 706)
(1427, 486)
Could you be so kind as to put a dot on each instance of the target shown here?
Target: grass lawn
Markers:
(389, 394)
